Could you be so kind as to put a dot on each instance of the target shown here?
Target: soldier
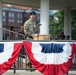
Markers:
(30, 26)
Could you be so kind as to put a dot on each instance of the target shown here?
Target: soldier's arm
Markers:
(26, 29)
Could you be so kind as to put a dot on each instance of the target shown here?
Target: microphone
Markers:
(38, 23)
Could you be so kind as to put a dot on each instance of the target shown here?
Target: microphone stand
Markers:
(38, 30)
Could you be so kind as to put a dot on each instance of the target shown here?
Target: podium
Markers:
(41, 37)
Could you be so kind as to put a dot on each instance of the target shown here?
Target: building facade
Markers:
(13, 19)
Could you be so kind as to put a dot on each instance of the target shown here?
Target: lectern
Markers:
(41, 37)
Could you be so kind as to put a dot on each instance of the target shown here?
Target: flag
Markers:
(50, 58)
(8, 54)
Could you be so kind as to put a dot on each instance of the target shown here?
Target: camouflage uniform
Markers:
(30, 28)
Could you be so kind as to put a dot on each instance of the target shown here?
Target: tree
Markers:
(53, 29)
(60, 15)
(73, 24)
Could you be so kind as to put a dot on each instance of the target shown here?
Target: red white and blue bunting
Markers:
(8, 53)
(50, 58)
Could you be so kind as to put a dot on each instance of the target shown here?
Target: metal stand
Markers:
(38, 30)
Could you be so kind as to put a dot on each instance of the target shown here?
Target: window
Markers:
(19, 15)
(11, 16)
(4, 16)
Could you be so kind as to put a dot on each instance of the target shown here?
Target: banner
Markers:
(50, 58)
(9, 51)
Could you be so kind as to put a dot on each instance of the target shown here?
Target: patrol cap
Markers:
(33, 13)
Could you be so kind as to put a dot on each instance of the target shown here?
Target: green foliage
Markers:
(54, 29)
(60, 15)
(51, 26)
(73, 24)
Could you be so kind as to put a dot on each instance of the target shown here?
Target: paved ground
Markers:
(21, 72)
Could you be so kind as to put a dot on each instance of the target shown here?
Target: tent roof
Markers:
(54, 4)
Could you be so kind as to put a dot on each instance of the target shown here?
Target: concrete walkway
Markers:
(23, 72)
